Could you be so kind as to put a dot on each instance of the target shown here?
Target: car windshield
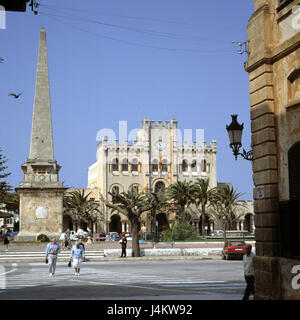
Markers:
(237, 243)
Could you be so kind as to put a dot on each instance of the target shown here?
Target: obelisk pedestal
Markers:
(41, 193)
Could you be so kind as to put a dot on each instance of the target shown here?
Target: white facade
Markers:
(156, 160)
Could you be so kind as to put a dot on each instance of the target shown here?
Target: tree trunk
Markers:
(135, 228)
(203, 221)
(224, 229)
(180, 214)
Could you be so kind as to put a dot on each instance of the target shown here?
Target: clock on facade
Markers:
(160, 145)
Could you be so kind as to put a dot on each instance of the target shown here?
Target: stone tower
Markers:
(41, 193)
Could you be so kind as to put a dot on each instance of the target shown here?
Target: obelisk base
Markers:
(41, 212)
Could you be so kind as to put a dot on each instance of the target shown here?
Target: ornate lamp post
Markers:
(235, 131)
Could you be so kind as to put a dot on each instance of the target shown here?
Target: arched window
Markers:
(164, 165)
(184, 166)
(115, 190)
(294, 85)
(134, 165)
(155, 165)
(115, 164)
(194, 166)
(125, 165)
(203, 166)
(135, 187)
(159, 186)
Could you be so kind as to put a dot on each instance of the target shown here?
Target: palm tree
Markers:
(226, 204)
(203, 196)
(132, 204)
(181, 193)
(79, 207)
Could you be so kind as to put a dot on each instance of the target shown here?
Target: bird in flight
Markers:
(1, 60)
(16, 96)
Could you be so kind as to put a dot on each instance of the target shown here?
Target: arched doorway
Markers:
(159, 186)
(67, 223)
(162, 220)
(206, 224)
(115, 224)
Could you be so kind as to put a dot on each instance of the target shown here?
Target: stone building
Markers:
(274, 74)
(153, 162)
(156, 160)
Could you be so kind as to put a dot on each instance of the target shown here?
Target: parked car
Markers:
(73, 235)
(217, 233)
(127, 235)
(101, 236)
(234, 249)
(112, 236)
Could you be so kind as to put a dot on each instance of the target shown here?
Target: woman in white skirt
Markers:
(77, 254)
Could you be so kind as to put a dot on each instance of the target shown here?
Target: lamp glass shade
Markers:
(235, 131)
(237, 136)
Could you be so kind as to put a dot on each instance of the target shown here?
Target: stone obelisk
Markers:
(41, 193)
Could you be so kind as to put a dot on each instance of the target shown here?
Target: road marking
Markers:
(10, 271)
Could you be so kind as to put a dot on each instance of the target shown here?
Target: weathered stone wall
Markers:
(275, 126)
(30, 224)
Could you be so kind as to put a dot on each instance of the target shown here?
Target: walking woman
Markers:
(6, 238)
(77, 254)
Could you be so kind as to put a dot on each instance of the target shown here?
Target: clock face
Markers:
(160, 145)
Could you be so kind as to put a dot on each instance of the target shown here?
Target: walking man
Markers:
(52, 250)
(248, 271)
(124, 244)
(77, 254)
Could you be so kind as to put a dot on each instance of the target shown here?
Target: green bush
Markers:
(182, 231)
(166, 235)
(42, 238)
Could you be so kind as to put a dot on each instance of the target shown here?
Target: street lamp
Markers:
(235, 131)
(19, 5)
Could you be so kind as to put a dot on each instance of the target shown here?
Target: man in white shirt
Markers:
(248, 271)
(52, 250)
(79, 232)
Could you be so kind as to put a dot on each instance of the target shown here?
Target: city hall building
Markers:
(157, 159)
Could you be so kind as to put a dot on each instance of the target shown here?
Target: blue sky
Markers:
(127, 60)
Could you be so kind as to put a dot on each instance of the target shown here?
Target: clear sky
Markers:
(127, 60)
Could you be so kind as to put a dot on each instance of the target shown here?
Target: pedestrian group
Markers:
(77, 256)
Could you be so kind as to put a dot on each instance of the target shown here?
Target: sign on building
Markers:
(41, 212)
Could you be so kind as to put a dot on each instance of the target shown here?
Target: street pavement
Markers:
(126, 280)
(15, 246)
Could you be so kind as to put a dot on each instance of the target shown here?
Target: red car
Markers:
(99, 236)
(234, 249)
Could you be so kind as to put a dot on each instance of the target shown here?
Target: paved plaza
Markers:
(126, 280)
